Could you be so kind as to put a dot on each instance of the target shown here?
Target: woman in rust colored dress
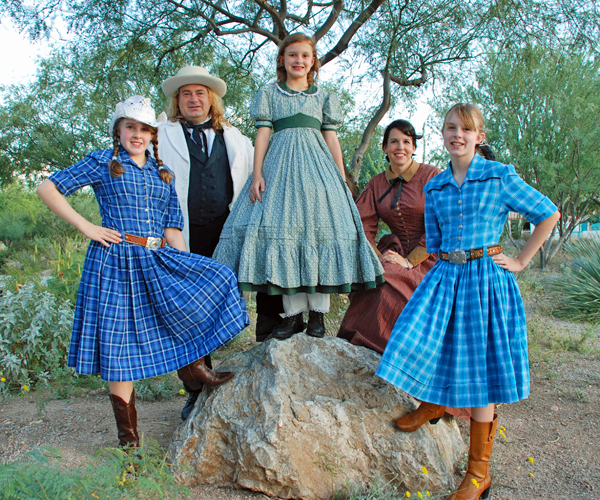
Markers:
(396, 197)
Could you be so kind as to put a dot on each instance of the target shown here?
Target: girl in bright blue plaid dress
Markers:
(461, 340)
(144, 308)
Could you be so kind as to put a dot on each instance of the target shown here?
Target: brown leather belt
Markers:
(462, 256)
(150, 243)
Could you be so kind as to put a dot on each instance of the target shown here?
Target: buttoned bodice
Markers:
(138, 202)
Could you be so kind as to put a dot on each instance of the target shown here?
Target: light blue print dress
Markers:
(306, 235)
(461, 341)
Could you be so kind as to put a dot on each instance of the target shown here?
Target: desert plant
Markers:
(159, 388)
(34, 332)
(578, 288)
(110, 475)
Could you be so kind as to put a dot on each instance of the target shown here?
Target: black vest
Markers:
(211, 187)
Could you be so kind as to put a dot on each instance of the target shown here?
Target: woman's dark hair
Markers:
(403, 126)
(484, 150)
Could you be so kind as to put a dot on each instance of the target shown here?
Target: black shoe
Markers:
(288, 327)
(316, 325)
(189, 404)
(265, 326)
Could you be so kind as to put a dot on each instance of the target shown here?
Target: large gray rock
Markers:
(301, 406)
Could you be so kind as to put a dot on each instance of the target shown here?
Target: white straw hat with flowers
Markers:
(190, 75)
(137, 108)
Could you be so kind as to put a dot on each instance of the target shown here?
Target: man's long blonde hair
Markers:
(217, 110)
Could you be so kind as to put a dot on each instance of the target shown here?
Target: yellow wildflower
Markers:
(2, 379)
(182, 391)
(530, 459)
(531, 474)
(424, 470)
(474, 481)
(428, 494)
(419, 494)
(408, 494)
(25, 388)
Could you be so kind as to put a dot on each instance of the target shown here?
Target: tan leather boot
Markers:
(126, 417)
(477, 483)
(197, 373)
(427, 412)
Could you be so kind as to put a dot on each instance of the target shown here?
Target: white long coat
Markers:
(173, 151)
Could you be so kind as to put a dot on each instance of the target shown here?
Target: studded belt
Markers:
(462, 256)
(150, 243)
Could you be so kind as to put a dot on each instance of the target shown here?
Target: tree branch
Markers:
(415, 82)
(278, 22)
(331, 19)
(351, 31)
(368, 133)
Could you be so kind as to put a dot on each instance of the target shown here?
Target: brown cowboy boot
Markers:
(427, 412)
(477, 483)
(126, 417)
(197, 373)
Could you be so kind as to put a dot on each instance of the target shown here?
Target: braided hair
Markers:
(115, 167)
(162, 170)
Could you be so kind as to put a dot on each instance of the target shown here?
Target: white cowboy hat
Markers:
(137, 108)
(193, 75)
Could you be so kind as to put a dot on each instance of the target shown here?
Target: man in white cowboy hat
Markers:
(211, 160)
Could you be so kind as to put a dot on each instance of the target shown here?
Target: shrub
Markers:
(579, 287)
(109, 475)
(34, 333)
(24, 218)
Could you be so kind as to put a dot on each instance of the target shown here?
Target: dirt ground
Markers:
(557, 426)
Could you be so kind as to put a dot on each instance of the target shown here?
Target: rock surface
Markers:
(307, 415)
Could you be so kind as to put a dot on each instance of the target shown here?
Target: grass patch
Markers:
(109, 475)
(546, 338)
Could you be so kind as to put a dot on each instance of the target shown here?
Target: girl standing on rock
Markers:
(304, 239)
(461, 340)
(145, 306)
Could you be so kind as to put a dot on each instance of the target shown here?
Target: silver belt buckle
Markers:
(153, 243)
(458, 257)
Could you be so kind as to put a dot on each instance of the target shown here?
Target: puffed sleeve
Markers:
(174, 217)
(332, 112)
(367, 209)
(518, 196)
(86, 172)
(432, 228)
(260, 109)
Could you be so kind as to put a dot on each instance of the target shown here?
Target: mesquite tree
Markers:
(391, 45)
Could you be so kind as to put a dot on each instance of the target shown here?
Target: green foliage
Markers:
(55, 121)
(25, 219)
(110, 475)
(382, 489)
(540, 103)
(68, 265)
(109, 56)
(578, 289)
(34, 332)
(332, 465)
(38, 240)
(157, 388)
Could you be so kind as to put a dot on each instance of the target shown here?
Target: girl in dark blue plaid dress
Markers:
(146, 306)
(461, 341)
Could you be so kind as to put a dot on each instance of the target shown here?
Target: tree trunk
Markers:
(368, 133)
